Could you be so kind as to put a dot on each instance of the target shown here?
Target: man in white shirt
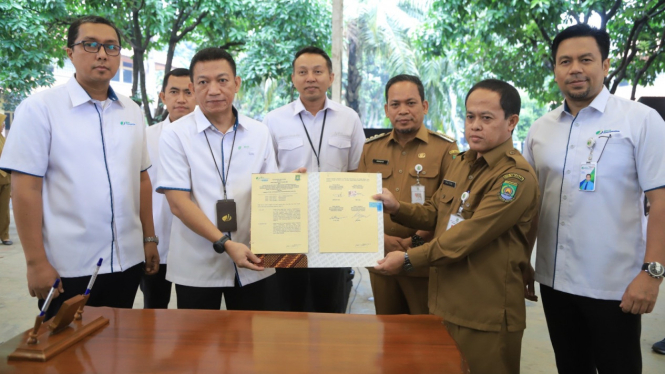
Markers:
(206, 163)
(597, 270)
(322, 136)
(81, 192)
(179, 101)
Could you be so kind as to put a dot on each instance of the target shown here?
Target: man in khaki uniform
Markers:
(482, 217)
(395, 155)
(5, 192)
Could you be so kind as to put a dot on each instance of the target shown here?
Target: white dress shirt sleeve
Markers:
(649, 152)
(174, 171)
(29, 142)
(145, 157)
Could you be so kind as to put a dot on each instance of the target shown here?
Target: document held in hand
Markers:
(317, 219)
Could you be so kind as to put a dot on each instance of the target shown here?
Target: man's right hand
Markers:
(242, 255)
(41, 277)
(392, 244)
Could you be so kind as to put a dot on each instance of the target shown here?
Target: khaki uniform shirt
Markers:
(383, 154)
(476, 278)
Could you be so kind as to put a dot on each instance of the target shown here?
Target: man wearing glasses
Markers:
(81, 191)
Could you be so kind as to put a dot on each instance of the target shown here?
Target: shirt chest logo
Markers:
(127, 123)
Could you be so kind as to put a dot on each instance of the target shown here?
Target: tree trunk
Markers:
(354, 79)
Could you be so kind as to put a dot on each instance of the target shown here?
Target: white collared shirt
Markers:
(186, 164)
(593, 243)
(91, 161)
(161, 213)
(343, 137)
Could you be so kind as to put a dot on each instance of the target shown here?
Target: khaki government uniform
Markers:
(475, 278)
(5, 193)
(405, 294)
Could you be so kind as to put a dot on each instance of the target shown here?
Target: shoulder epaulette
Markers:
(443, 136)
(375, 137)
(520, 161)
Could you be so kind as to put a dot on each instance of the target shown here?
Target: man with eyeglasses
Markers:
(81, 192)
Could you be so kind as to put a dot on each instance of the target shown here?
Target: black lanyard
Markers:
(223, 177)
(325, 114)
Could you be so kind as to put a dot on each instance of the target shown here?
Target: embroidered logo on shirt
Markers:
(507, 193)
(127, 123)
(600, 132)
(514, 175)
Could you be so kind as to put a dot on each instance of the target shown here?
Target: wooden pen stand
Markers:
(64, 330)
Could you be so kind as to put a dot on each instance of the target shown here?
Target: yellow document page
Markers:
(347, 214)
(279, 213)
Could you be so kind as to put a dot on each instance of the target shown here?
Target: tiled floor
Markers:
(17, 311)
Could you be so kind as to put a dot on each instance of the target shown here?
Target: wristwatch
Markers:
(654, 269)
(416, 241)
(218, 246)
(151, 239)
(407, 263)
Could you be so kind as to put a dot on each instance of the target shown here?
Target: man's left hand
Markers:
(392, 264)
(151, 258)
(641, 294)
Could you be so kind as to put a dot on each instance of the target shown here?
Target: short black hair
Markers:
(211, 54)
(581, 30)
(179, 72)
(315, 51)
(510, 99)
(73, 31)
(407, 78)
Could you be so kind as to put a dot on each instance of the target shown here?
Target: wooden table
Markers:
(199, 341)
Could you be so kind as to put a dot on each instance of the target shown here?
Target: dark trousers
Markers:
(320, 290)
(156, 289)
(591, 334)
(253, 296)
(116, 290)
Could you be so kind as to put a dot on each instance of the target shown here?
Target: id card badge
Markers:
(454, 219)
(588, 176)
(227, 220)
(418, 194)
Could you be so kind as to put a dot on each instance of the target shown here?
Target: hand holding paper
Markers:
(390, 204)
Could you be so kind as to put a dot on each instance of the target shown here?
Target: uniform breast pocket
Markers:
(617, 159)
(429, 177)
(338, 153)
(446, 199)
(385, 170)
(469, 207)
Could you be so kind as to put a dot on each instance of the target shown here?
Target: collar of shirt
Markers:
(599, 103)
(492, 157)
(202, 122)
(80, 96)
(422, 134)
(299, 107)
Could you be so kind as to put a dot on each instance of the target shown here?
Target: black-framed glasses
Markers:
(93, 47)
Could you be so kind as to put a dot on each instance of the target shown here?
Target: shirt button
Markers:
(512, 152)
(470, 177)
(560, 246)
(563, 223)
(424, 173)
(403, 153)
(577, 125)
(400, 172)
(397, 189)
(565, 197)
(572, 146)
(567, 171)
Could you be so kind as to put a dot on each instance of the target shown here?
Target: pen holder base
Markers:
(58, 335)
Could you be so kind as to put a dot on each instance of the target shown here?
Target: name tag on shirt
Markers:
(588, 176)
(382, 162)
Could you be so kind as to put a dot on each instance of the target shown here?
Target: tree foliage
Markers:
(511, 40)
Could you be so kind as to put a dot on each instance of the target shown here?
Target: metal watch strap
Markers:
(151, 239)
(417, 241)
(407, 263)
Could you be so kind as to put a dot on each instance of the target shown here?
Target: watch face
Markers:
(656, 269)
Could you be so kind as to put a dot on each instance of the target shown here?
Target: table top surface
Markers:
(201, 341)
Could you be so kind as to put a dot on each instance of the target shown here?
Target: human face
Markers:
(214, 87)
(588, 178)
(405, 109)
(579, 69)
(311, 77)
(486, 126)
(177, 97)
(94, 69)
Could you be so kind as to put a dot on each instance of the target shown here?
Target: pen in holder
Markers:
(86, 295)
(32, 338)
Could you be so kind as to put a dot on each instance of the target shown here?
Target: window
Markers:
(126, 72)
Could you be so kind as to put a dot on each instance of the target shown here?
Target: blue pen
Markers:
(92, 279)
(49, 298)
